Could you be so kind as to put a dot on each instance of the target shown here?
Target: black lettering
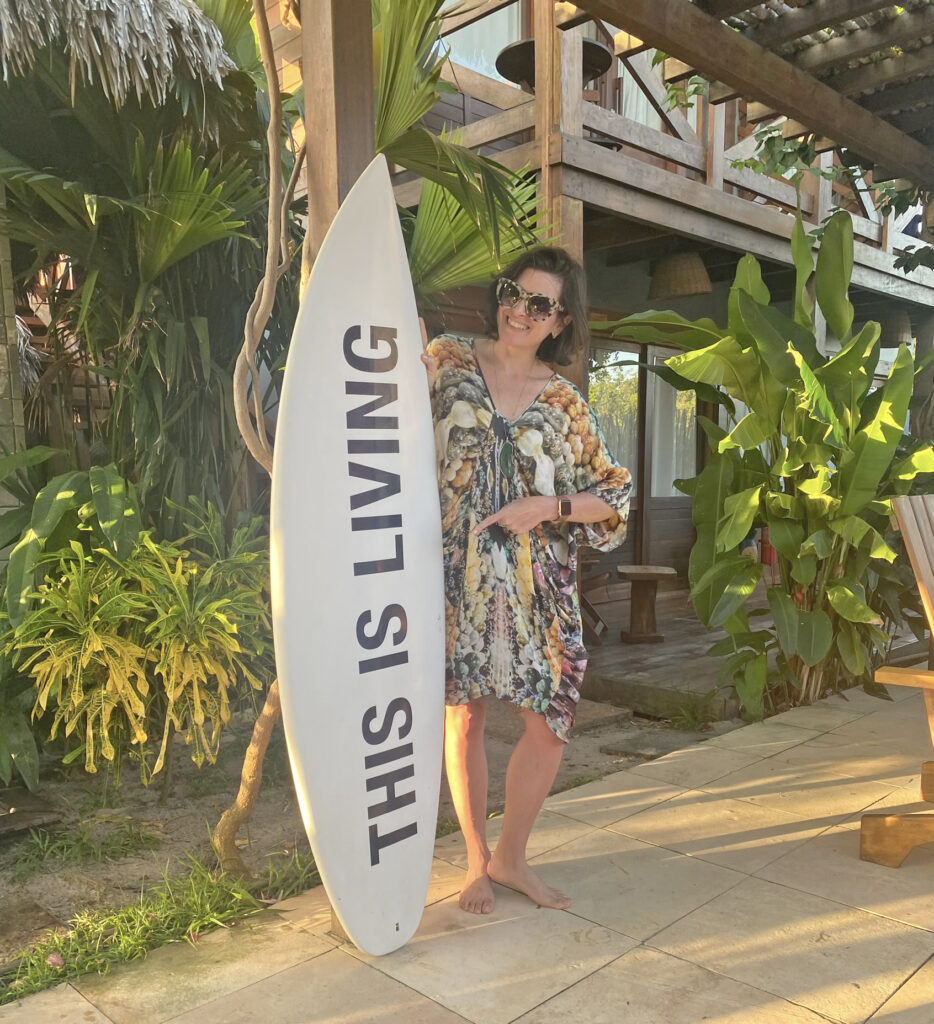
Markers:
(360, 418)
(383, 661)
(378, 335)
(393, 564)
(375, 522)
(378, 842)
(372, 446)
(390, 612)
(397, 704)
(393, 799)
(385, 756)
(390, 482)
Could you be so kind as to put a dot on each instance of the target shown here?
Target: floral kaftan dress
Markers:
(512, 611)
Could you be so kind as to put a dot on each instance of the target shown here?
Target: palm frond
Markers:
(129, 46)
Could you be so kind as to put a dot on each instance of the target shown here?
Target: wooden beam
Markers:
(639, 136)
(802, 21)
(901, 29)
(640, 67)
(474, 13)
(497, 126)
(341, 118)
(683, 30)
(868, 77)
(570, 16)
(482, 87)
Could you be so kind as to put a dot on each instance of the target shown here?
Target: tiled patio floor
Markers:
(721, 883)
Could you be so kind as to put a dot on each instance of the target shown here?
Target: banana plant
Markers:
(816, 456)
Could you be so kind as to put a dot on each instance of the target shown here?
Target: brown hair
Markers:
(560, 348)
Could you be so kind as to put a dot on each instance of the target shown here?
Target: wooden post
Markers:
(337, 72)
(558, 112)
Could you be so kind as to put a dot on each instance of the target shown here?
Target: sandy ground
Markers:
(606, 740)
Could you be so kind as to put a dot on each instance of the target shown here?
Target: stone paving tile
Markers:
(816, 797)
(648, 987)
(633, 887)
(904, 724)
(59, 1005)
(829, 866)
(873, 760)
(611, 798)
(831, 958)
(733, 833)
(819, 717)
(764, 738)
(334, 988)
(551, 830)
(493, 968)
(913, 1003)
(694, 766)
(179, 977)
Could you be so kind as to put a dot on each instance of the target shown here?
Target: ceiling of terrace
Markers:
(859, 74)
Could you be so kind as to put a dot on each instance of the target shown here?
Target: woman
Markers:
(525, 478)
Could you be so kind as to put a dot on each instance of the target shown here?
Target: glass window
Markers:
(614, 397)
(476, 46)
(672, 433)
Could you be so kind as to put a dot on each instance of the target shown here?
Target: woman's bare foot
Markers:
(523, 879)
(477, 895)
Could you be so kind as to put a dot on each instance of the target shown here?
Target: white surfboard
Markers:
(357, 593)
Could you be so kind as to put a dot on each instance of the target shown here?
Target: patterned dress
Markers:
(511, 604)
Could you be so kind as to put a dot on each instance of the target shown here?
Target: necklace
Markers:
(504, 462)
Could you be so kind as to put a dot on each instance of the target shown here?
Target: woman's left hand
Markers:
(521, 515)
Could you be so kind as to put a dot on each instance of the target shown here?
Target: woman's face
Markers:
(515, 326)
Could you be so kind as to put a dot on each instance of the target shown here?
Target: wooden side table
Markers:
(644, 580)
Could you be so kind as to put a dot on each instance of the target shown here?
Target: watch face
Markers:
(564, 507)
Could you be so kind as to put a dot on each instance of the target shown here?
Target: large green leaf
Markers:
(850, 370)
(772, 333)
(722, 364)
(848, 599)
(746, 282)
(664, 328)
(116, 509)
(786, 536)
(785, 617)
(834, 270)
(851, 650)
(739, 511)
(815, 635)
(816, 400)
(750, 432)
(18, 748)
(803, 259)
(731, 585)
(872, 449)
(751, 685)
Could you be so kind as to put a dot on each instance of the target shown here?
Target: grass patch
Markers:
(446, 827)
(90, 843)
(179, 909)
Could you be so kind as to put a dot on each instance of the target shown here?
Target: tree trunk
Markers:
(251, 775)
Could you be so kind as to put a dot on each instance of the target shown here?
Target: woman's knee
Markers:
(538, 729)
(466, 720)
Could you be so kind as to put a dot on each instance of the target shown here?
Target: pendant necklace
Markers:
(504, 463)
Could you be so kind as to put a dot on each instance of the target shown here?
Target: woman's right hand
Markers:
(431, 364)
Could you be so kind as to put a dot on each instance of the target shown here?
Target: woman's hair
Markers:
(562, 348)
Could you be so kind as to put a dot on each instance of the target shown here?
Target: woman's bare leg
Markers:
(529, 778)
(466, 766)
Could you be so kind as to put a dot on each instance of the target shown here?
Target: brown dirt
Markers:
(182, 823)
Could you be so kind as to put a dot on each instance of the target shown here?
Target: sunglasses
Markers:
(538, 307)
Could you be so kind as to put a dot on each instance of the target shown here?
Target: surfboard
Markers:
(357, 591)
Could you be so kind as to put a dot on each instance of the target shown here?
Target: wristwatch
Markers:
(564, 509)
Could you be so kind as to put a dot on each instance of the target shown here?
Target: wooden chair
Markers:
(889, 838)
(591, 578)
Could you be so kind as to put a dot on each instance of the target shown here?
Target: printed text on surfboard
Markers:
(390, 763)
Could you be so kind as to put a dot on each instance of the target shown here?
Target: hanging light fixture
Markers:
(678, 275)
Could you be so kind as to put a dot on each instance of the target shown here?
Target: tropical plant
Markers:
(125, 651)
(813, 452)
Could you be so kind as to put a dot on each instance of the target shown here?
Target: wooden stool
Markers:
(889, 838)
(644, 579)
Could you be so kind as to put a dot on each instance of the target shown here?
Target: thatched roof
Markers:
(128, 45)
